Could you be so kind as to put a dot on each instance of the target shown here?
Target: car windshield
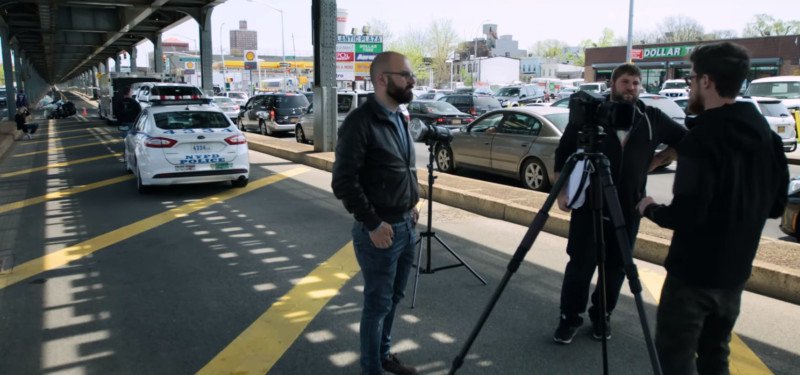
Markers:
(667, 106)
(589, 87)
(780, 90)
(191, 120)
(237, 95)
(675, 85)
(508, 91)
(487, 101)
(773, 109)
(222, 100)
(440, 107)
(559, 120)
(176, 90)
(291, 101)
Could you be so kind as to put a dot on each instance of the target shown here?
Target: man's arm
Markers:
(781, 178)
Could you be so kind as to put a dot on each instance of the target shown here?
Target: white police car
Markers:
(185, 142)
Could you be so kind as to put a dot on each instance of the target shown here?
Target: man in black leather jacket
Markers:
(629, 146)
(375, 177)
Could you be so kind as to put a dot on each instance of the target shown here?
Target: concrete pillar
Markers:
(117, 63)
(323, 24)
(133, 55)
(8, 74)
(206, 53)
(18, 72)
(158, 51)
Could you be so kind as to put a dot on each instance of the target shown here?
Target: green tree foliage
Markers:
(766, 25)
(436, 42)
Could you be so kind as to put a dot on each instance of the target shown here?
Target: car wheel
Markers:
(262, 128)
(141, 187)
(299, 135)
(534, 175)
(240, 183)
(444, 160)
(267, 129)
(241, 124)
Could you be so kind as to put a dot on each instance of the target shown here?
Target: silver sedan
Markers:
(516, 142)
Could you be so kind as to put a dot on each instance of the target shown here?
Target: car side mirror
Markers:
(522, 96)
(123, 128)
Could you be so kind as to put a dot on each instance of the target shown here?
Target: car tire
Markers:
(141, 187)
(267, 130)
(444, 160)
(299, 134)
(241, 124)
(262, 127)
(534, 175)
(240, 183)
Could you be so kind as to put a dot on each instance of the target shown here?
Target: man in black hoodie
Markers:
(731, 176)
(629, 146)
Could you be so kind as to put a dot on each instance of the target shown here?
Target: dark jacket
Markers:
(21, 118)
(731, 176)
(127, 110)
(629, 165)
(374, 178)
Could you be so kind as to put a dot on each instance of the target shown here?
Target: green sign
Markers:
(369, 47)
(666, 52)
(189, 59)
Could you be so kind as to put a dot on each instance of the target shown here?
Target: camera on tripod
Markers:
(592, 110)
(429, 133)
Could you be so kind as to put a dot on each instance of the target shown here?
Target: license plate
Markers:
(200, 147)
(184, 168)
(221, 165)
(781, 128)
(293, 120)
(456, 121)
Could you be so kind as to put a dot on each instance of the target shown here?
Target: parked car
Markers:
(346, 102)
(778, 117)
(185, 142)
(434, 112)
(517, 142)
(790, 221)
(598, 87)
(513, 96)
(431, 96)
(674, 88)
(150, 92)
(473, 104)
(666, 105)
(273, 113)
(228, 106)
(785, 88)
(566, 92)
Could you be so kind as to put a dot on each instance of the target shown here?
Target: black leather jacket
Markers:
(375, 179)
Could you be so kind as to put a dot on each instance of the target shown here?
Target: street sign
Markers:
(250, 58)
(284, 65)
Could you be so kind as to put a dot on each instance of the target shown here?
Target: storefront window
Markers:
(652, 79)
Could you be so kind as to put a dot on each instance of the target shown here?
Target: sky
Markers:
(528, 21)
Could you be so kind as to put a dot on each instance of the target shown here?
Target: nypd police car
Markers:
(185, 141)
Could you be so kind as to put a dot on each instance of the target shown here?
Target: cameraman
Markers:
(716, 213)
(629, 145)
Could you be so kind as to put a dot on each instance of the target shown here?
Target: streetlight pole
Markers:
(630, 34)
(222, 54)
(283, 47)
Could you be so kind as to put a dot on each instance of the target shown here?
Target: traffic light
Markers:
(227, 86)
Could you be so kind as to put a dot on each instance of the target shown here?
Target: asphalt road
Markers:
(192, 279)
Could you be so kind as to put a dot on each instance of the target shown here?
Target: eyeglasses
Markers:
(689, 79)
(406, 75)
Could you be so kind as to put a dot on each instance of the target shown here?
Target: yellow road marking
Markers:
(263, 343)
(61, 257)
(742, 360)
(105, 131)
(57, 149)
(52, 139)
(59, 165)
(62, 193)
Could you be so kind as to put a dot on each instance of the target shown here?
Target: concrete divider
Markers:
(520, 206)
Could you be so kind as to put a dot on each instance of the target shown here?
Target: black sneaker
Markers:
(392, 364)
(566, 330)
(597, 329)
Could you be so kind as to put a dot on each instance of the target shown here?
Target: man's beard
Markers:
(628, 98)
(399, 94)
(696, 104)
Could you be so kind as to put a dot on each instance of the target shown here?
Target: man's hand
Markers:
(381, 236)
(664, 157)
(642, 206)
(415, 215)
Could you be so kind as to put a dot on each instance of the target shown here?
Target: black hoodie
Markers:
(731, 176)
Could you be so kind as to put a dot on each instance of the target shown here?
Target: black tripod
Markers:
(600, 177)
(428, 234)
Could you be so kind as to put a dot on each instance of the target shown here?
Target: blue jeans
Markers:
(385, 273)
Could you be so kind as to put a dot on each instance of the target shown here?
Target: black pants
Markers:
(583, 262)
(695, 320)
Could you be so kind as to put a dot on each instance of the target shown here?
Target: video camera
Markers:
(429, 133)
(593, 109)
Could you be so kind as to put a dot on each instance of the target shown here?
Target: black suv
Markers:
(273, 113)
(473, 104)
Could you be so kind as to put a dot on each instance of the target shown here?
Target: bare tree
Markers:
(721, 34)
(766, 25)
(681, 29)
(380, 27)
(550, 48)
(442, 40)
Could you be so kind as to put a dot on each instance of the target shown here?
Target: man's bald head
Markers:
(383, 62)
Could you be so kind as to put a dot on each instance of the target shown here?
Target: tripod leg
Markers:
(416, 276)
(596, 204)
(617, 219)
(525, 245)
(459, 258)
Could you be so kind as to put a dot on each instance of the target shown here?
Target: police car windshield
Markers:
(176, 91)
(191, 120)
